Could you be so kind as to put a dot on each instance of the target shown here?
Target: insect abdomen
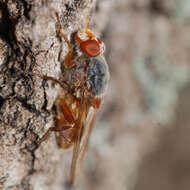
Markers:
(98, 73)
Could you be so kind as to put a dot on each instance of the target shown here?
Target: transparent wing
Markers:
(86, 123)
(76, 148)
(86, 135)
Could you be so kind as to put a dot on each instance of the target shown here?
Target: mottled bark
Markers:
(31, 46)
(147, 50)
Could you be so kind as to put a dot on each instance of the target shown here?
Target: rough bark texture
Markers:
(147, 49)
(30, 46)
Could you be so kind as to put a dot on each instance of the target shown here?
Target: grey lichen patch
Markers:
(182, 10)
(161, 89)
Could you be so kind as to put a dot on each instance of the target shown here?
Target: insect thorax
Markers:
(89, 75)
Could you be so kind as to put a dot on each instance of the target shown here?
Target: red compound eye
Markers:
(91, 48)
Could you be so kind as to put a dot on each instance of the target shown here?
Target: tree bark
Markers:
(31, 46)
(147, 49)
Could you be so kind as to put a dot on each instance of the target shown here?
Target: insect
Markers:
(85, 77)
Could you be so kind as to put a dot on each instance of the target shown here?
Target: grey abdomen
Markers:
(98, 73)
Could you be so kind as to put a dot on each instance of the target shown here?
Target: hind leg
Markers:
(66, 135)
(66, 138)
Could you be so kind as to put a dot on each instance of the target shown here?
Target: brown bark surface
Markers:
(31, 46)
(145, 118)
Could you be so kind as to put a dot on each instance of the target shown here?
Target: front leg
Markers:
(63, 84)
(68, 60)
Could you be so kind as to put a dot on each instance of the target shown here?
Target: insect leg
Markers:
(65, 131)
(45, 136)
(61, 124)
(66, 138)
(68, 60)
(62, 84)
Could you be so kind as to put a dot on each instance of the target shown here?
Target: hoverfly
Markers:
(85, 77)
